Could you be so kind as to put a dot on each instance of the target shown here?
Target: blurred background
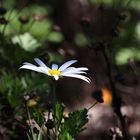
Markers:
(103, 35)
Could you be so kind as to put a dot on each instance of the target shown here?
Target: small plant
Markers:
(57, 126)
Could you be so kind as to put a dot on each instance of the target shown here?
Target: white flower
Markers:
(57, 72)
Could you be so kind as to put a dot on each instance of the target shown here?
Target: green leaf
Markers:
(43, 31)
(81, 40)
(65, 135)
(55, 37)
(73, 125)
(123, 55)
(38, 116)
(29, 135)
(26, 41)
(59, 113)
(11, 87)
(40, 135)
(37, 82)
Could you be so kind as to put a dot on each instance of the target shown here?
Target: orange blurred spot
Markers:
(107, 96)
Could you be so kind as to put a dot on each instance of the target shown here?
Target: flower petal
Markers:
(67, 64)
(30, 67)
(40, 63)
(56, 77)
(26, 63)
(82, 68)
(77, 69)
(78, 76)
(43, 70)
(54, 66)
(72, 71)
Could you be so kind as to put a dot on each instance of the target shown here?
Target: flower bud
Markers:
(23, 19)
(98, 95)
(2, 11)
(3, 20)
(50, 124)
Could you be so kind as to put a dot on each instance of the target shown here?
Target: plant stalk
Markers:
(29, 118)
(92, 105)
(116, 99)
(54, 109)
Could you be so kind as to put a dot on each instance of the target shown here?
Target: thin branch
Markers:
(116, 99)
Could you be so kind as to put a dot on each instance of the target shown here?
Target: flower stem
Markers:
(48, 131)
(30, 123)
(92, 105)
(54, 109)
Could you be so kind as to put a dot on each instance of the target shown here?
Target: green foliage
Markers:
(124, 54)
(65, 135)
(41, 135)
(13, 87)
(38, 116)
(55, 57)
(55, 37)
(34, 8)
(28, 35)
(135, 4)
(13, 54)
(73, 125)
(44, 30)
(38, 83)
(59, 113)
(81, 40)
(26, 41)
(68, 127)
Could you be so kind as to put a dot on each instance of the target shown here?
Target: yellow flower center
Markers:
(54, 72)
